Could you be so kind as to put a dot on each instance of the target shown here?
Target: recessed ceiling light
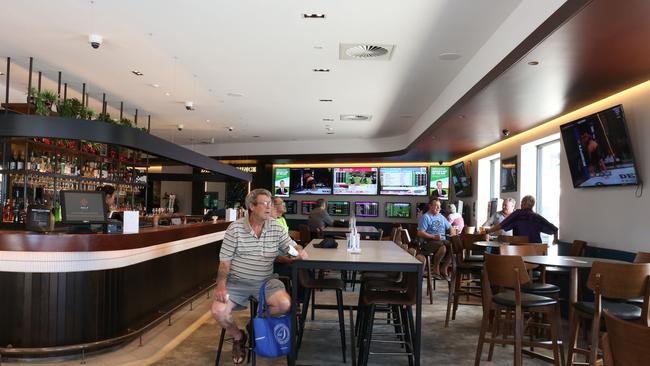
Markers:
(154, 85)
(461, 116)
(318, 47)
(136, 72)
(256, 136)
(313, 15)
(355, 117)
(330, 133)
(167, 94)
(321, 70)
(328, 119)
(326, 100)
(449, 56)
(329, 128)
(533, 63)
(207, 120)
(235, 95)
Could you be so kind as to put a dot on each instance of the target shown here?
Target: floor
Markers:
(193, 336)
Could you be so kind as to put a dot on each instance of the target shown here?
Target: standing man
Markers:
(432, 228)
(507, 207)
(249, 248)
(439, 192)
(318, 219)
(526, 222)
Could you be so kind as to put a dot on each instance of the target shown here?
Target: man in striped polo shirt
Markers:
(249, 248)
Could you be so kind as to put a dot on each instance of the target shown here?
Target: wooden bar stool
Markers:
(459, 268)
(252, 306)
(625, 343)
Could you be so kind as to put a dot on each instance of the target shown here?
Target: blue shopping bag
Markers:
(272, 334)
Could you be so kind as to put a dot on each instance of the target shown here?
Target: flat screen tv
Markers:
(291, 206)
(307, 206)
(83, 207)
(398, 210)
(281, 182)
(355, 181)
(439, 182)
(311, 180)
(462, 182)
(403, 181)
(598, 150)
(338, 208)
(366, 209)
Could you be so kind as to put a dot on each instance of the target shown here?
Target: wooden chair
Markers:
(468, 246)
(642, 257)
(508, 273)
(513, 239)
(305, 234)
(459, 269)
(612, 281)
(625, 343)
(530, 249)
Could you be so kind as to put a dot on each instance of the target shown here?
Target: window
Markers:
(495, 178)
(548, 182)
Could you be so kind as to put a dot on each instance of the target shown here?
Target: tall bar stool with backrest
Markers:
(305, 235)
(508, 273)
(533, 249)
(252, 306)
(614, 281)
(459, 268)
(625, 343)
(469, 248)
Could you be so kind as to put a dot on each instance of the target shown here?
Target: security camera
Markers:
(440, 162)
(180, 126)
(95, 40)
(189, 105)
(506, 132)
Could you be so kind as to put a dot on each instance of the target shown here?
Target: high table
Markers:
(369, 232)
(376, 255)
(573, 263)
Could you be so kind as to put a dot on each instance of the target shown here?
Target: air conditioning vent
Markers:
(355, 51)
(356, 117)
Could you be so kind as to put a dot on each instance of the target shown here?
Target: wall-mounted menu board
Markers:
(360, 181)
(403, 181)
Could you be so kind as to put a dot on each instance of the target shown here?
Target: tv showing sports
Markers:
(398, 210)
(358, 181)
(83, 207)
(311, 180)
(462, 182)
(291, 206)
(439, 182)
(281, 182)
(307, 206)
(403, 181)
(338, 208)
(598, 150)
(366, 209)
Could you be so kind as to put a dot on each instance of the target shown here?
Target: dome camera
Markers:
(95, 40)
(189, 105)
(180, 126)
(440, 162)
(505, 132)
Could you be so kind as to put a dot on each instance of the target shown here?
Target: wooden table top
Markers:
(372, 251)
(567, 261)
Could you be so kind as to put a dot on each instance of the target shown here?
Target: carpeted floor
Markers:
(455, 345)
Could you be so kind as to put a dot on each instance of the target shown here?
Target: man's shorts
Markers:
(240, 290)
(431, 246)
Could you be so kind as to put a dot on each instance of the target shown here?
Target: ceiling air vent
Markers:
(356, 117)
(356, 51)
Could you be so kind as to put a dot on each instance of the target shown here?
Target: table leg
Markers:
(573, 292)
(293, 355)
(418, 318)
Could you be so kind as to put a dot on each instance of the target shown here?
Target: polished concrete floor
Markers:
(192, 338)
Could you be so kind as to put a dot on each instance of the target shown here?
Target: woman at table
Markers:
(455, 218)
(433, 228)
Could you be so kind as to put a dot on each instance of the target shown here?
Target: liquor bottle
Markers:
(57, 211)
(16, 211)
(20, 162)
(12, 162)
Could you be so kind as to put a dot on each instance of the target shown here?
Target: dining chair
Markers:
(305, 234)
(513, 239)
(536, 272)
(469, 248)
(459, 269)
(642, 257)
(613, 281)
(625, 343)
(506, 274)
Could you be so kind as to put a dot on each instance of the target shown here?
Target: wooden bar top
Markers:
(15, 240)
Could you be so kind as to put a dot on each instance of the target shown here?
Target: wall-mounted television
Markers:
(462, 182)
(281, 182)
(311, 180)
(598, 150)
(307, 206)
(338, 208)
(403, 181)
(291, 206)
(83, 207)
(398, 210)
(439, 182)
(358, 181)
(366, 209)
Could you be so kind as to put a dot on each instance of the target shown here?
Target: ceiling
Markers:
(248, 66)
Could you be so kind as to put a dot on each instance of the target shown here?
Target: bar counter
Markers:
(64, 289)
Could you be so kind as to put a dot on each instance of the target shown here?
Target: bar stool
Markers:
(625, 343)
(459, 268)
(252, 305)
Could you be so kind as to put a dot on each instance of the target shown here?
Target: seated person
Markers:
(506, 209)
(433, 228)
(454, 218)
(319, 219)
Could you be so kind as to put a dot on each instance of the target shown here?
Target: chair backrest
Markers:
(305, 235)
(469, 239)
(381, 233)
(523, 250)
(578, 248)
(500, 270)
(513, 239)
(406, 238)
(627, 342)
(412, 251)
(642, 257)
(620, 280)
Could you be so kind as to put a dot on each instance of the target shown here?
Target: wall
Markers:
(183, 190)
(609, 217)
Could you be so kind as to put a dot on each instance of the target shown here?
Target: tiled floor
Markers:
(193, 337)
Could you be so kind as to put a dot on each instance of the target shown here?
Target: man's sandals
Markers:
(239, 349)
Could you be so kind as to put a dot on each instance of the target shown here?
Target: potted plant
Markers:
(44, 100)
